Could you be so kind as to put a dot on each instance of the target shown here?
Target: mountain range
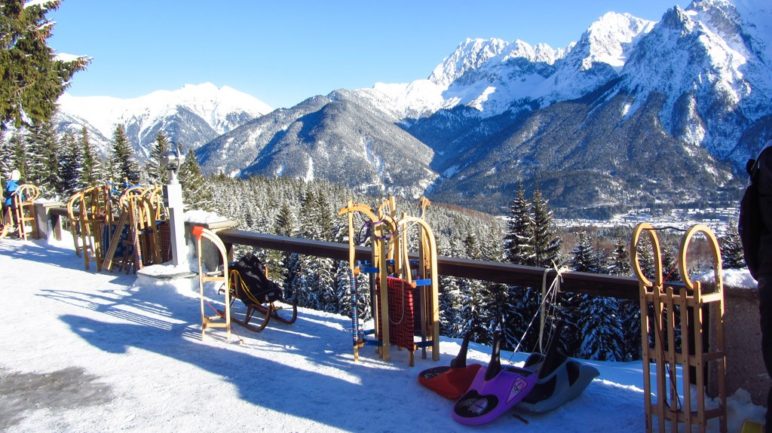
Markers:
(635, 113)
(190, 117)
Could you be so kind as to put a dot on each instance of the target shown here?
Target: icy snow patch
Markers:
(309, 177)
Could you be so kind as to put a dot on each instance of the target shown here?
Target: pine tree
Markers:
(669, 265)
(6, 156)
(731, 248)
(583, 259)
(518, 242)
(43, 159)
(629, 309)
(620, 260)
(546, 242)
(33, 76)
(476, 312)
(451, 304)
(601, 329)
(70, 167)
(285, 222)
(91, 167)
(19, 145)
(195, 189)
(599, 326)
(324, 217)
(124, 170)
(156, 173)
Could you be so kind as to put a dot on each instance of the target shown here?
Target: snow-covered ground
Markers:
(106, 352)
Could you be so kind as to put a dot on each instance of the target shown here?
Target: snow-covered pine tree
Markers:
(18, 144)
(629, 309)
(518, 241)
(451, 303)
(599, 325)
(583, 259)
(601, 329)
(70, 165)
(477, 300)
(546, 241)
(43, 160)
(473, 313)
(92, 168)
(323, 215)
(156, 173)
(545, 252)
(669, 264)
(34, 76)
(450, 296)
(195, 187)
(6, 156)
(731, 248)
(124, 168)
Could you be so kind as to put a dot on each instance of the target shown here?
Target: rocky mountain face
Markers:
(190, 117)
(336, 138)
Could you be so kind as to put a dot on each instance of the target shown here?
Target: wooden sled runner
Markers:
(249, 282)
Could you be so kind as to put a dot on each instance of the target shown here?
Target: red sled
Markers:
(451, 382)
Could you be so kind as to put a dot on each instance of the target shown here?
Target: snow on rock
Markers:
(203, 217)
(469, 55)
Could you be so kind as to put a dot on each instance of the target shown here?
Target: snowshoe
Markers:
(494, 391)
(453, 381)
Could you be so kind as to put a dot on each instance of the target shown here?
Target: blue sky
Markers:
(283, 51)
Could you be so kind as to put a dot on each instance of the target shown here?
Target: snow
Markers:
(610, 38)
(206, 100)
(203, 217)
(45, 4)
(309, 176)
(67, 57)
(108, 352)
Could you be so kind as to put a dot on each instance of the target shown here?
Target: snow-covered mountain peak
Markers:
(470, 54)
(213, 104)
(609, 39)
(541, 52)
(746, 22)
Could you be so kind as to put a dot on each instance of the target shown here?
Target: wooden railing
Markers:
(530, 276)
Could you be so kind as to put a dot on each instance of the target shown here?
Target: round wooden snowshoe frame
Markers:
(660, 322)
(266, 310)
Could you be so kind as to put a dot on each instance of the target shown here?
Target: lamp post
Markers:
(173, 200)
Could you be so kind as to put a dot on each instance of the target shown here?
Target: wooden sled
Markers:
(261, 303)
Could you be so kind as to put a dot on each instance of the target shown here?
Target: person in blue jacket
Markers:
(11, 185)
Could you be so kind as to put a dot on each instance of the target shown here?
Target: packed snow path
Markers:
(86, 352)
